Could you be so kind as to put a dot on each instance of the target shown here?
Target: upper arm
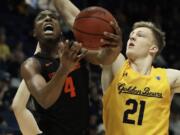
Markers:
(174, 80)
(117, 64)
(22, 95)
(67, 9)
(30, 71)
(108, 72)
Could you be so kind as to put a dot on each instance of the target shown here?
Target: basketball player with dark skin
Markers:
(57, 80)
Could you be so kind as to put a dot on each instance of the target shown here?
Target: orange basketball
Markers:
(90, 24)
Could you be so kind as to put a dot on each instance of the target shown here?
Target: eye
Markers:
(140, 34)
(53, 16)
(40, 17)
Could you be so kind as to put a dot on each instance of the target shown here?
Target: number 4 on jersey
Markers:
(69, 87)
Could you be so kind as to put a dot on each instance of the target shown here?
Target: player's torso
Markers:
(136, 104)
(73, 101)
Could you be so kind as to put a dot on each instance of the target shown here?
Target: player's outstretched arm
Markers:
(67, 9)
(24, 117)
(47, 93)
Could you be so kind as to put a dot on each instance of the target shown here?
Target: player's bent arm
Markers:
(45, 93)
(174, 80)
(67, 9)
(24, 117)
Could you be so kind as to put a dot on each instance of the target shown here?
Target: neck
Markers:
(50, 50)
(142, 65)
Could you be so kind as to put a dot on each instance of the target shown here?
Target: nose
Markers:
(132, 37)
(48, 18)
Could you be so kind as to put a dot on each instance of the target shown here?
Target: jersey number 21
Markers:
(133, 111)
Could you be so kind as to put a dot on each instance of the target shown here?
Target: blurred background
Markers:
(17, 43)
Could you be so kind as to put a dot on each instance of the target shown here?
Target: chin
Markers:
(130, 54)
(50, 38)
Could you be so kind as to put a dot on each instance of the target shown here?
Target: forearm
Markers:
(108, 55)
(47, 93)
(103, 57)
(67, 9)
(27, 123)
(24, 117)
(21, 98)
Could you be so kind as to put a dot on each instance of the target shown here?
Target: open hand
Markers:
(70, 54)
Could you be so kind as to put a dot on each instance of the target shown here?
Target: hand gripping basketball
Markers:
(90, 25)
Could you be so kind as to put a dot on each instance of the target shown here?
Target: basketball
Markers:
(90, 24)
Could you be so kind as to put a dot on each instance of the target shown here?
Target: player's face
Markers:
(47, 26)
(140, 42)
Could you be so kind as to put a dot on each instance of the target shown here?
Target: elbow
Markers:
(43, 98)
(44, 103)
(16, 108)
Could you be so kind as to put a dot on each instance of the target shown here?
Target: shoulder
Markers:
(30, 64)
(172, 74)
(173, 78)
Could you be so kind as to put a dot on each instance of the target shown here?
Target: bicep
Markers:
(30, 72)
(117, 64)
(35, 83)
(108, 72)
(174, 80)
(106, 77)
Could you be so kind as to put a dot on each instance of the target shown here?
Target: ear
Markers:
(153, 49)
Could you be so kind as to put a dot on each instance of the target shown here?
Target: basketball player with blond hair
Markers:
(137, 96)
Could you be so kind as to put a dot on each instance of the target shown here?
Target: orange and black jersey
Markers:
(69, 115)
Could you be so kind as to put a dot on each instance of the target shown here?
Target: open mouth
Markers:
(48, 29)
(131, 45)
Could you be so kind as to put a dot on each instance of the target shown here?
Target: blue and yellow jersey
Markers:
(136, 104)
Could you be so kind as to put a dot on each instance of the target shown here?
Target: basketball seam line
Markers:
(94, 34)
(92, 17)
(95, 18)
